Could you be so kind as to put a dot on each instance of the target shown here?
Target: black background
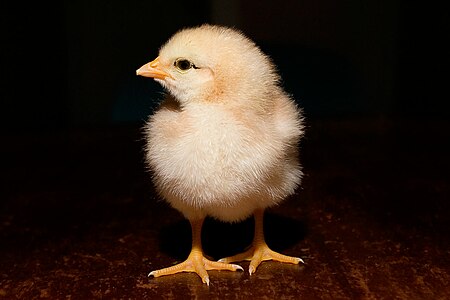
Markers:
(371, 218)
(72, 63)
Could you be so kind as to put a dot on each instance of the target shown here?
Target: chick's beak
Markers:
(152, 69)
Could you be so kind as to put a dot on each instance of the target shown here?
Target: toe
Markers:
(272, 255)
(247, 255)
(219, 265)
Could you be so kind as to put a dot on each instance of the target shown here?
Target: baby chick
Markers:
(224, 141)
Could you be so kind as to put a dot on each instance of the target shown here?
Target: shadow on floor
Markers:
(224, 239)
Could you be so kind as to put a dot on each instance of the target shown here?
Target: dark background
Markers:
(77, 208)
(72, 63)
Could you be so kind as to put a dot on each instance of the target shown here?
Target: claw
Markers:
(238, 267)
(251, 270)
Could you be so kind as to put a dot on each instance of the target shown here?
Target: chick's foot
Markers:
(197, 263)
(258, 253)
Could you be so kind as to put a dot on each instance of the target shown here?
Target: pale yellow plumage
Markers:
(224, 141)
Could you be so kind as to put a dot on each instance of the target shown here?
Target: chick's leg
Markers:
(196, 262)
(259, 251)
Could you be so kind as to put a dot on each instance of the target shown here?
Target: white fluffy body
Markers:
(224, 141)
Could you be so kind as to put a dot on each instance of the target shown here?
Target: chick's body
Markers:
(224, 141)
(210, 160)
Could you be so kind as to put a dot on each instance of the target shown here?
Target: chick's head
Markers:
(213, 64)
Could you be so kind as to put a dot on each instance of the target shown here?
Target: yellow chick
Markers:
(224, 142)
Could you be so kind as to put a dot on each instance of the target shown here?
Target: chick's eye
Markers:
(183, 64)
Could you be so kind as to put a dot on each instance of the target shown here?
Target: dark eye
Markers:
(183, 64)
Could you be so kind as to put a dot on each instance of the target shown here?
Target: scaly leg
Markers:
(259, 251)
(196, 262)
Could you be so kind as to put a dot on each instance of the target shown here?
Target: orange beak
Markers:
(153, 70)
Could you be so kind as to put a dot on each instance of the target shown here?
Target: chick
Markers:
(224, 141)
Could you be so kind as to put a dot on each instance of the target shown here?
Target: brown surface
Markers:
(80, 220)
